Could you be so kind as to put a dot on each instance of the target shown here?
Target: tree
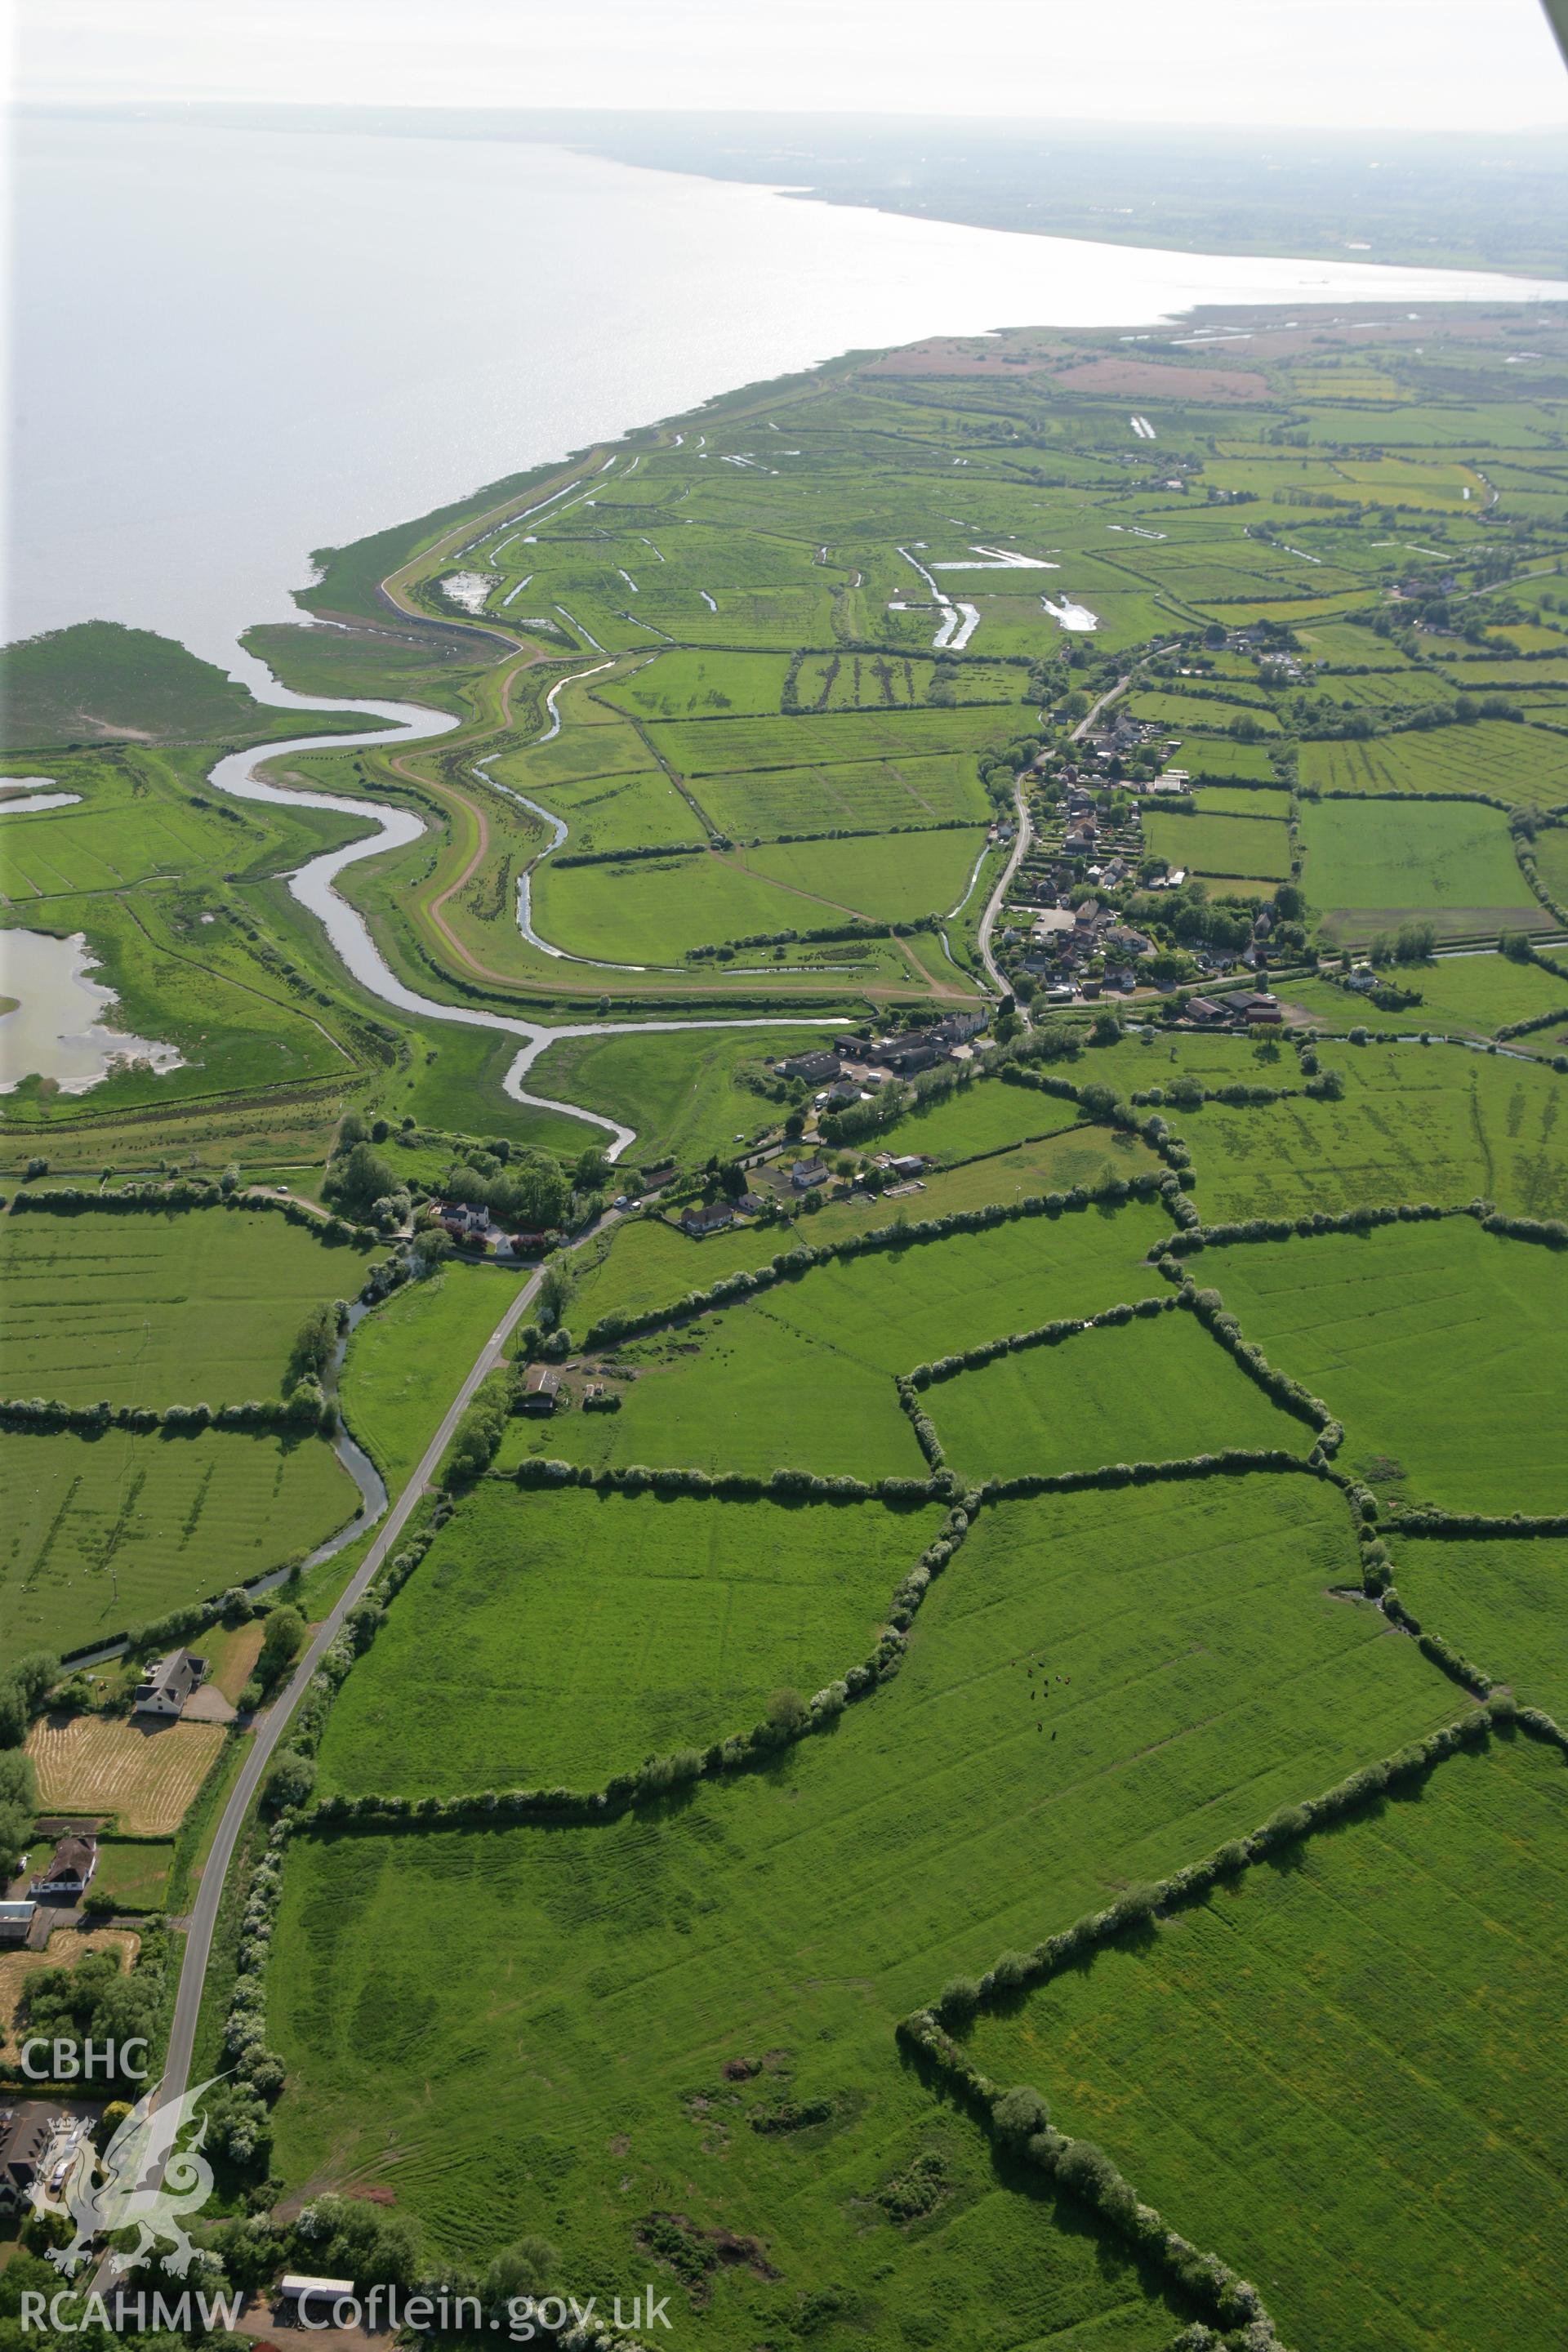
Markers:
(359, 1178)
(1019, 2114)
(314, 1343)
(280, 1639)
(524, 2268)
(555, 1286)
(289, 1782)
(593, 1169)
(19, 1804)
(788, 1712)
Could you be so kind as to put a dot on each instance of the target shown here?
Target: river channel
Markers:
(238, 774)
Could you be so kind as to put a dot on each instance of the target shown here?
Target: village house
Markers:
(806, 1174)
(541, 1388)
(707, 1217)
(27, 2134)
(168, 1683)
(69, 1873)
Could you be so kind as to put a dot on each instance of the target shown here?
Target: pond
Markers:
(54, 1025)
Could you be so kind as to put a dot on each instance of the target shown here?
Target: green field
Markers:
(1483, 991)
(1441, 1348)
(1144, 1392)
(1255, 847)
(978, 1118)
(409, 1357)
(1342, 2073)
(1522, 766)
(106, 1533)
(1442, 1124)
(790, 1916)
(553, 1638)
(196, 1306)
(684, 1094)
(1499, 1602)
(739, 1392)
(1422, 857)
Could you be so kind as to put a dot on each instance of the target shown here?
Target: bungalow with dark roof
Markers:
(70, 1873)
(707, 1217)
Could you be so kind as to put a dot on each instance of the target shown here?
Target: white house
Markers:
(168, 1683)
(70, 1871)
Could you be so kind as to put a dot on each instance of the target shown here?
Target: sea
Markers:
(229, 347)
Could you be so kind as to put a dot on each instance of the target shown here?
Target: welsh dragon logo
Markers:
(145, 2180)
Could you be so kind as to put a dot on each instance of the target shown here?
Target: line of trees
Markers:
(75, 1200)
(1019, 2118)
(306, 1408)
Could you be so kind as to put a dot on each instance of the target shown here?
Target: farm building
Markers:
(309, 2302)
(168, 1683)
(541, 1388)
(70, 1871)
(15, 1920)
(814, 1068)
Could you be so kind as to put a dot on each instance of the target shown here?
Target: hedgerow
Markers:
(1019, 2118)
(732, 1287)
(790, 1717)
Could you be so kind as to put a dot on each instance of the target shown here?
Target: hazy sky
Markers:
(1417, 64)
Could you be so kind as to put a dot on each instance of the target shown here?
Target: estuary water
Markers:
(230, 347)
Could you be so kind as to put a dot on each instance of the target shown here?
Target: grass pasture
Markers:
(1521, 766)
(140, 1776)
(789, 1917)
(683, 1092)
(1442, 1123)
(1255, 847)
(106, 1533)
(738, 1392)
(978, 1118)
(865, 796)
(202, 1304)
(562, 1638)
(1482, 993)
(889, 878)
(1340, 2072)
(1154, 1390)
(1422, 857)
(1499, 1601)
(1443, 1348)
(407, 1359)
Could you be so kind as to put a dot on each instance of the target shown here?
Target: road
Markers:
(271, 1726)
(1025, 835)
(994, 903)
